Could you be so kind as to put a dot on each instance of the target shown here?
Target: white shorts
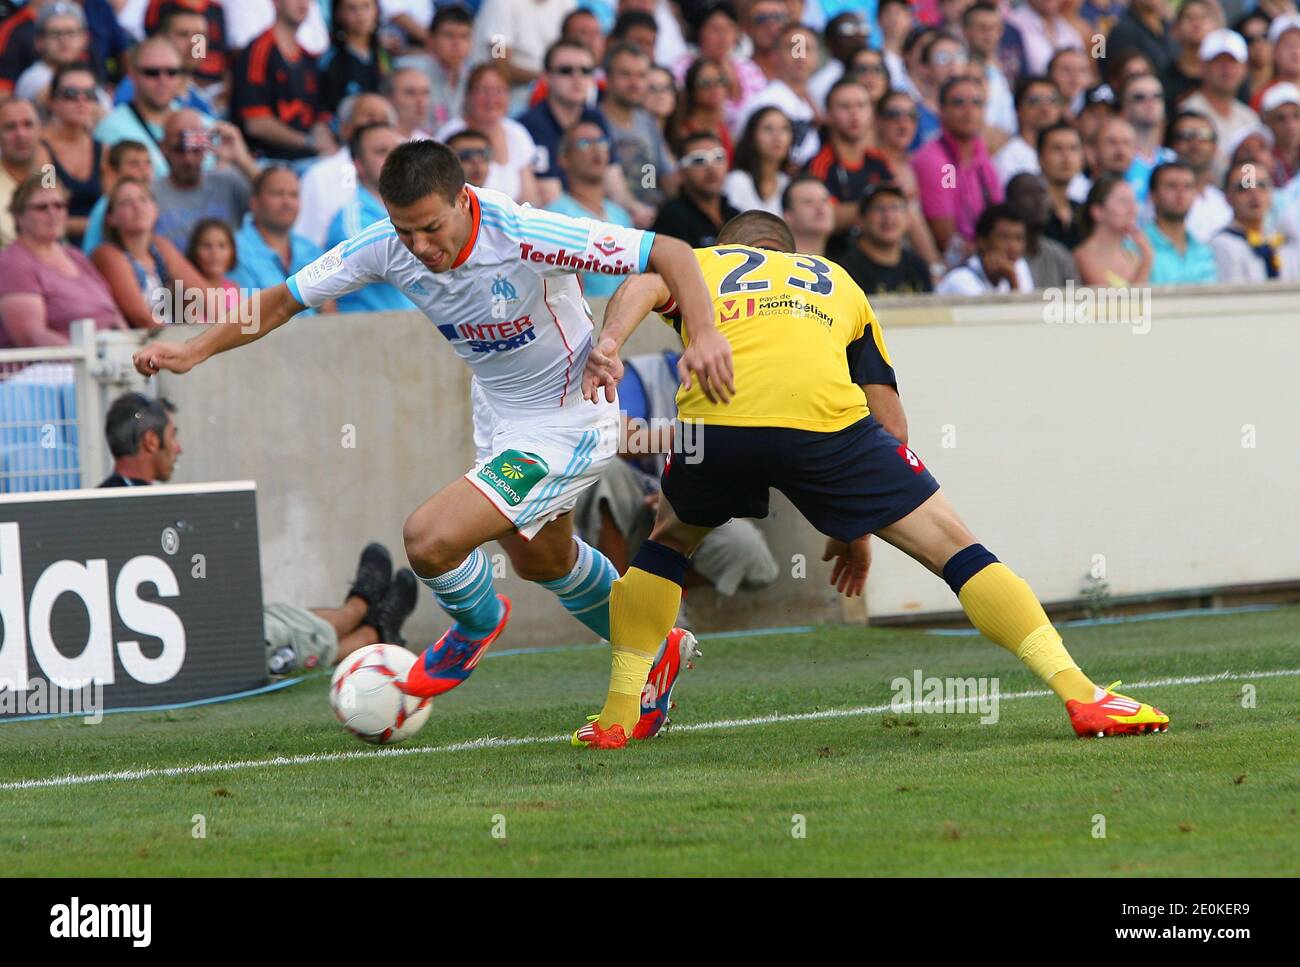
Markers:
(533, 471)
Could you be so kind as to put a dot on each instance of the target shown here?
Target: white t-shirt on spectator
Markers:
(503, 175)
(740, 190)
(1209, 215)
(527, 27)
(820, 84)
(131, 17)
(326, 187)
(969, 279)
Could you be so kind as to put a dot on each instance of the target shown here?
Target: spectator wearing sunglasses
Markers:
(846, 34)
(716, 36)
(155, 70)
(570, 70)
(474, 151)
(46, 284)
(702, 106)
(584, 159)
(1142, 104)
(1192, 139)
(61, 41)
(77, 157)
(700, 209)
(942, 57)
(1223, 53)
(190, 30)
(191, 191)
(954, 174)
(1039, 106)
(764, 22)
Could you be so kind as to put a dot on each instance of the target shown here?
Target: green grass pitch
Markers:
(879, 794)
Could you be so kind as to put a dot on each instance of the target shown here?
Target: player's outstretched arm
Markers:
(708, 354)
(631, 302)
(271, 308)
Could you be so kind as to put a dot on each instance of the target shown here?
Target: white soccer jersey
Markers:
(511, 305)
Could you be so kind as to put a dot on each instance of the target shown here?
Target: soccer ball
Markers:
(367, 701)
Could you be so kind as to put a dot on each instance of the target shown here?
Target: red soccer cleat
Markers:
(1115, 714)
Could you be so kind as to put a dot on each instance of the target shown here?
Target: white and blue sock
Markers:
(584, 591)
(467, 595)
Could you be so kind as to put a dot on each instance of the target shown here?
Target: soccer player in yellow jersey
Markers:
(803, 337)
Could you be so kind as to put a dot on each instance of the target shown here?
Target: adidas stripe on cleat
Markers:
(1115, 714)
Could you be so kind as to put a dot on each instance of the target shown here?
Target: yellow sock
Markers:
(642, 607)
(1003, 607)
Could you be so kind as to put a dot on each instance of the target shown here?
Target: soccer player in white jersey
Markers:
(500, 283)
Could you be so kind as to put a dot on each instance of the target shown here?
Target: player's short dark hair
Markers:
(359, 135)
(564, 43)
(117, 153)
(452, 13)
(630, 20)
(754, 227)
(131, 416)
(1160, 169)
(990, 217)
(418, 169)
(1052, 129)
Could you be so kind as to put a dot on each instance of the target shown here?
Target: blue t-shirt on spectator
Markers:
(259, 266)
(1169, 266)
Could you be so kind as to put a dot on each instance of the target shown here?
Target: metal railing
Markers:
(52, 405)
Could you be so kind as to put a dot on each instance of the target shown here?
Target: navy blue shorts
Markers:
(847, 483)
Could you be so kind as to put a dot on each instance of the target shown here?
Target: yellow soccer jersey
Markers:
(802, 337)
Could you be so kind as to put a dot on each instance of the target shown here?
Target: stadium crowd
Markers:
(150, 147)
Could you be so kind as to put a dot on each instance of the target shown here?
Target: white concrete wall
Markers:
(1070, 441)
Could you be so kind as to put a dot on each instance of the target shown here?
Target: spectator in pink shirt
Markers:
(46, 284)
(955, 177)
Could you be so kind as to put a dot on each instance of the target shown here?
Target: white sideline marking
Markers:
(488, 742)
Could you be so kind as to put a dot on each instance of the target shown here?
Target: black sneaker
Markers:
(374, 571)
(388, 616)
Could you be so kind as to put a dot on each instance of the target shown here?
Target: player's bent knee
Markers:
(430, 552)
